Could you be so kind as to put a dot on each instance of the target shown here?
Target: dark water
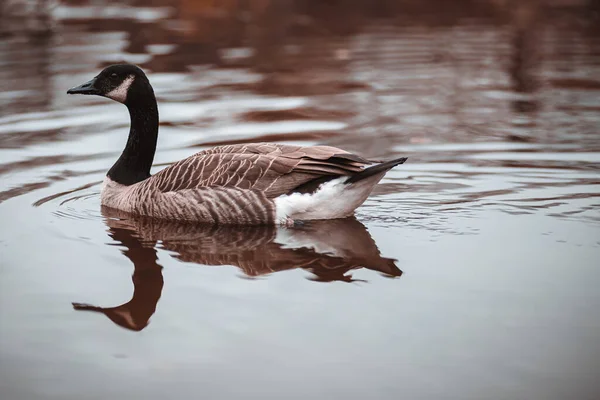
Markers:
(472, 273)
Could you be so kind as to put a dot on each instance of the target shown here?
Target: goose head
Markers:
(128, 85)
(124, 83)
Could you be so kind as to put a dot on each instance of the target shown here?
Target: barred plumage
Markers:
(230, 184)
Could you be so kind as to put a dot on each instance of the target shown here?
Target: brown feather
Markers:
(270, 168)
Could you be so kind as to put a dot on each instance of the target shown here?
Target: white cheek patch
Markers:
(120, 92)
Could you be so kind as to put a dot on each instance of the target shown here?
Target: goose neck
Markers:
(136, 160)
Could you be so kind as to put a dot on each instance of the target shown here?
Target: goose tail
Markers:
(336, 198)
(375, 169)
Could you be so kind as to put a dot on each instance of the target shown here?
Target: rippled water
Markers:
(472, 272)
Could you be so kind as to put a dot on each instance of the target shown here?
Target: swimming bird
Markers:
(246, 184)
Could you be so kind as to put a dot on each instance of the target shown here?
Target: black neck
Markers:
(134, 164)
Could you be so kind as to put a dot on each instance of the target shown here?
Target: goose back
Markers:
(270, 168)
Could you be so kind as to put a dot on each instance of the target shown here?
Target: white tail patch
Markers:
(333, 199)
(120, 92)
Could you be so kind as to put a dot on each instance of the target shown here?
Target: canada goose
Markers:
(259, 183)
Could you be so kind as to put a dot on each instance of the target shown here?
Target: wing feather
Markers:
(271, 168)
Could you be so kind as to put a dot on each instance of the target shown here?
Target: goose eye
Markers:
(113, 75)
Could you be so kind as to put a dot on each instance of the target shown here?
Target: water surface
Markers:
(472, 272)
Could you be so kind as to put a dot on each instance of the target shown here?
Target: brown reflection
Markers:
(147, 283)
(524, 58)
(328, 249)
(26, 77)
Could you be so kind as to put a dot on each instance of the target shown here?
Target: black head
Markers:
(120, 82)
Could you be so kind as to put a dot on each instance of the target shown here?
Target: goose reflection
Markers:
(328, 249)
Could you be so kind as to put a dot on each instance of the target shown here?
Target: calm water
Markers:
(472, 273)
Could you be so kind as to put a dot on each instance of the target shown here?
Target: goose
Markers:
(240, 184)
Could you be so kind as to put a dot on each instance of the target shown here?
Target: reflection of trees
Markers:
(428, 70)
(26, 78)
(26, 17)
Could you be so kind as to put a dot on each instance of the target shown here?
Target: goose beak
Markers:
(86, 88)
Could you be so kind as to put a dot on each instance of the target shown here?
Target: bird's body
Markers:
(260, 183)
